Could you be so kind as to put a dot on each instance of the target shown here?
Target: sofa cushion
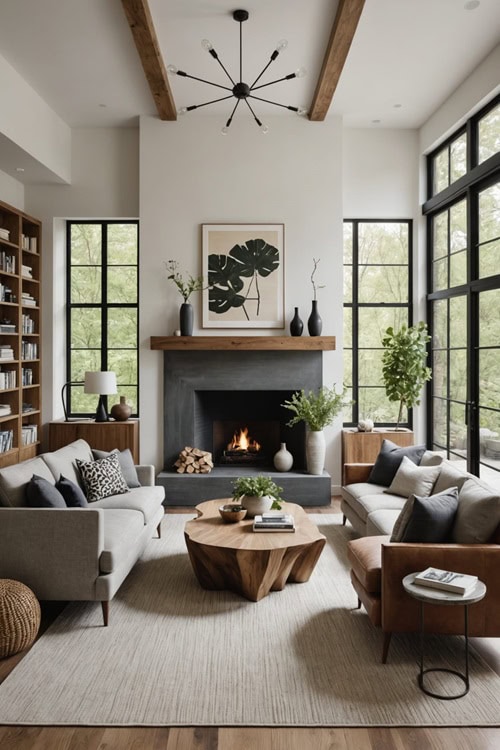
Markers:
(363, 498)
(381, 522)
(63, 461)
(478, 513)
(450, 476)
(427, 519)
(102, 478)
(71, 492)
(388, 461)
(121, 531)
(41, 493)
(413, 480)
(432, 458)
(13, 480)
(145, 499)
(365, 556)
(126, 462)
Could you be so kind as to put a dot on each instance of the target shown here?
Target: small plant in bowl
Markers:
(257, 494)
(232, 512)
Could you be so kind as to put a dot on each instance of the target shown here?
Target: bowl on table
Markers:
(232, 512)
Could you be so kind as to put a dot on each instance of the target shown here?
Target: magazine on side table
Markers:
(274, 522)
(446, 580)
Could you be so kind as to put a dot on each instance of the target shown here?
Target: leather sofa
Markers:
(378, 566)
(74, 554)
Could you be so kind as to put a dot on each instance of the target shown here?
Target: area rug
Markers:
(174, 654)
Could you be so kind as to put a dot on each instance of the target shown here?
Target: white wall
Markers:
(11, 191)
(191, 174)
(105, 185)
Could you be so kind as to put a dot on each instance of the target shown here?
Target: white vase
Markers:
(283, 459)
(315, 451)
(256, 505)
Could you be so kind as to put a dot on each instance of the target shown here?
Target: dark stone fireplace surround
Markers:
(198, 385)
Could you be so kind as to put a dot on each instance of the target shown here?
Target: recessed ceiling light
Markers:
(472, 4)
(376, 121)
(397, 106)
(103, 105)
(19, 169)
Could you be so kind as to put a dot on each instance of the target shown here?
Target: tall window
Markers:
(102, 309)
(377, 294)
(463, 221)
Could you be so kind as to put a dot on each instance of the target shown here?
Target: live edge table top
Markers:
(234, 557)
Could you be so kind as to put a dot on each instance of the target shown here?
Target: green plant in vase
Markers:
(257, 494)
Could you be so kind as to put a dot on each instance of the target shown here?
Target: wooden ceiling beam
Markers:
(141, 24)
(343, 30)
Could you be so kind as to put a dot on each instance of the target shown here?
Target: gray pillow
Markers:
(478, 514)
(427, 520)
(388, 461)
(126, 462)
(71, 492)
(449, 476)
(40, 493)
(102, 478)
(413, 480)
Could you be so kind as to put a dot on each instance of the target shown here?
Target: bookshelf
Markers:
(20, 340)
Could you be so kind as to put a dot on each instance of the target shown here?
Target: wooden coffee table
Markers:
(234, 557)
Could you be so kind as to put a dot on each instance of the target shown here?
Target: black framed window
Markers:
(102, 321)
(377, 294)
(463, 230)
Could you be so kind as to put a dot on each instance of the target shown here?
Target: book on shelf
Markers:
(4, 234)
(7, 328)
(274, 522)
(6, 440)
(446, 580)
(5, 410)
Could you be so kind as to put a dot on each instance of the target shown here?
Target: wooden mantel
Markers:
(243, 343)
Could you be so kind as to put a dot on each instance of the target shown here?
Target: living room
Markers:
(107, 161)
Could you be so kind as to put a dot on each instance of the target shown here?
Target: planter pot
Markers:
(186, 319)
(283, 459)
(314, 323)
(122, 411)
(256, 505)
(315, 451)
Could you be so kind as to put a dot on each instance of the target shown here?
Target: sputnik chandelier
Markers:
(241, 91)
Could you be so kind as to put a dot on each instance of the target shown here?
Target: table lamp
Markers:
(102, 383)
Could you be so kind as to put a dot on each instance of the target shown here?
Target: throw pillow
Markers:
(126, 462)
(102, 478)
(478, 514)
(40, 493)
(426, 519)
(449, 476)
(413, 480)
(72, 493)
(388, 461)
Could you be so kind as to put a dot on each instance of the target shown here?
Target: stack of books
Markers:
(28, 299)
(29, 434)
(4, 234)
(446, 580)
(276, 521)
(5, 410)
(7, 327)
(27, 272)
(6, 440)
(6, 352)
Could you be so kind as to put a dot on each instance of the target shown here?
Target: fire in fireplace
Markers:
(242, 449)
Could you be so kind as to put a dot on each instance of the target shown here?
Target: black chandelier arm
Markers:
(276, 104)
(278, 80)
(271, 59)
(230, 118)
(253, 113)
(216, 57)
(202, 80)
(205, 104)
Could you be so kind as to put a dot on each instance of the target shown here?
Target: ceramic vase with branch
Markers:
(314, 323)
(185, 289)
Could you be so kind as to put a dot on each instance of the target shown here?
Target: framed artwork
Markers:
(244, 267)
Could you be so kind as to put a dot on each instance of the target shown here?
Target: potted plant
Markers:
(404, 366)
(185, 289)
(317, 410)
(257, 494)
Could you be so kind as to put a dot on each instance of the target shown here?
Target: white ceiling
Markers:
(80, 57)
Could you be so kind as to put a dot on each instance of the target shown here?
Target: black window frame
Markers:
(104, 306)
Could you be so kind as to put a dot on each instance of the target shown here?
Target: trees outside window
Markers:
(377, 295)
(102, 309)
(463, 221)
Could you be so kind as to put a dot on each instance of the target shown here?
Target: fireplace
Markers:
(211, 395)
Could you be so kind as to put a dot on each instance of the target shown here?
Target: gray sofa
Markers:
(74, 554)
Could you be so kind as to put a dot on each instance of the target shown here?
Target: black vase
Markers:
(296, 325)
(314, 323)
(186, 319)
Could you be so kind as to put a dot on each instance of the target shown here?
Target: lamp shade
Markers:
(101, 383)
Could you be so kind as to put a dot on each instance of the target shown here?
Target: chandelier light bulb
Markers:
(225, 130)
(282, 44)
(300, 73)
(172, 69)
(264, 129)
(182, 111)
(302, 111)
(206, 44)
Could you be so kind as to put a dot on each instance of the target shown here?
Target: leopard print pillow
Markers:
(102, 478)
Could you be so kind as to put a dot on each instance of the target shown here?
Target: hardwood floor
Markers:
(238, 738)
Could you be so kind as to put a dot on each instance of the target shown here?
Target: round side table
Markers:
(427, 595)
(19, 617)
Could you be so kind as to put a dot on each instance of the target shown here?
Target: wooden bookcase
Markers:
(364, 447)
(104, 436)
(20, 339)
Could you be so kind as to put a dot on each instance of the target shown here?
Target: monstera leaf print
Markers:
(226, 273)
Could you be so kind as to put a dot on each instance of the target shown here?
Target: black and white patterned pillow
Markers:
(102, 478)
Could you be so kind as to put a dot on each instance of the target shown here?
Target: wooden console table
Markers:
(104, 436)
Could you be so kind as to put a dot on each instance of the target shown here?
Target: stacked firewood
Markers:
(194, 461)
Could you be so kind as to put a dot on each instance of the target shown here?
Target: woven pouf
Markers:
(19, 617)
